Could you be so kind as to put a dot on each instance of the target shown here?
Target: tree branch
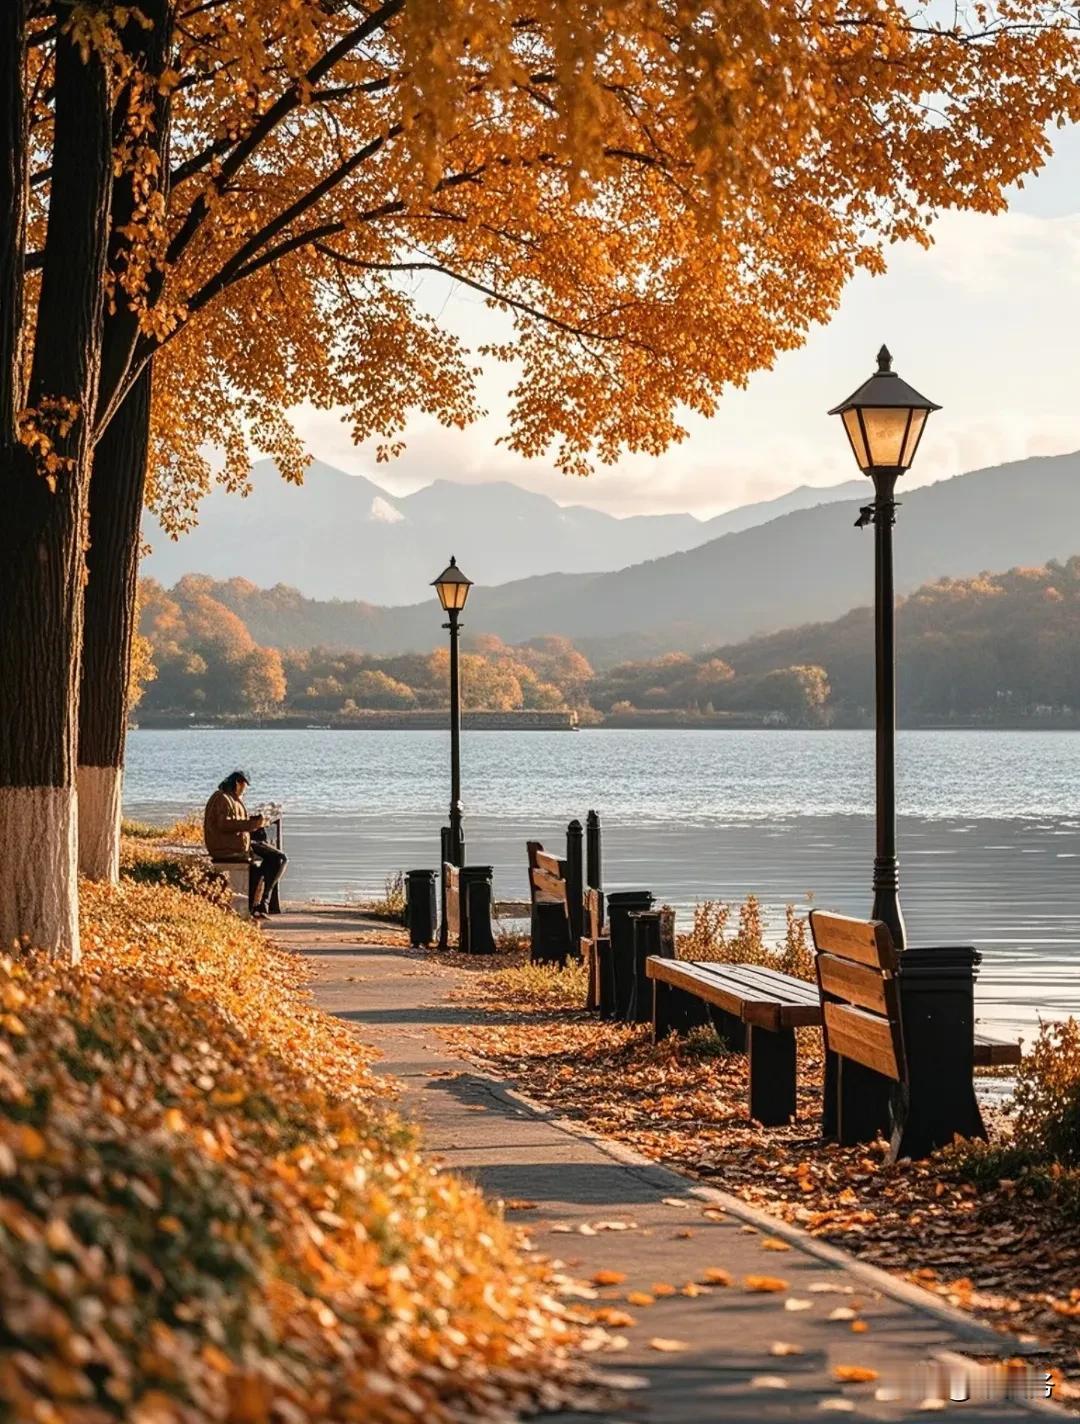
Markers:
(283, 106)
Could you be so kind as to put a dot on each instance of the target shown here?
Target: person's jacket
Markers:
(227, 827)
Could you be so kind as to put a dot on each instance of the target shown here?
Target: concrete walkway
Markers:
(725, 1359)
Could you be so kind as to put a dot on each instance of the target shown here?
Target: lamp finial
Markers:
(884, 361)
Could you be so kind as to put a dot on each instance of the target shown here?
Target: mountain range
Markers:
(809, 564)
(342, 536)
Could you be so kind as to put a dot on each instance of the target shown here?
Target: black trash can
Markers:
(617, 975)
(420, 892)
(477, 902)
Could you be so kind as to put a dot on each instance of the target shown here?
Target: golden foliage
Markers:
(1048, 1094)
(708, 938)
(205, 1213)
(659, 198)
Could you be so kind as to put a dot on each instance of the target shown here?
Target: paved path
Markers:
(517, 1151)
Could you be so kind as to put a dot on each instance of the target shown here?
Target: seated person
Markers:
(228, 833)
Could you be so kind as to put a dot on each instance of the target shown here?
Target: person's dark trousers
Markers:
(267, 865)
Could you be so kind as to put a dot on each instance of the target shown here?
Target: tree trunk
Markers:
(116, 496)
(42, 534)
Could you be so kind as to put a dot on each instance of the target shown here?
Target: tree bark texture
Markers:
(116, 499)
(43, 532)
(117, 485)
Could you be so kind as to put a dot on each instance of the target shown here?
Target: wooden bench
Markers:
(557, 892)
(753, 1008)
(900, 1038)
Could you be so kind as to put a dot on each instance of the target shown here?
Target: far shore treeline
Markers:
(999, 649)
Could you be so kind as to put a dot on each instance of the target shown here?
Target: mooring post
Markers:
(575, 890)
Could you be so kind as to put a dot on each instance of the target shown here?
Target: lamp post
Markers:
(453, 589)
(884, 421)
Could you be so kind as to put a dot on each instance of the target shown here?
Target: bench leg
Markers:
(772, 1075)
(730, 1028)
(661, 1011)
(864, 1106)
(830, 1096)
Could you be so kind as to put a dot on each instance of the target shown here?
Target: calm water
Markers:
(990, 822)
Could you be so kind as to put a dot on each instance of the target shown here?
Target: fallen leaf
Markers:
(662, 1288)
(514, 1204)
(795, 1302)
(859, 1327)
(842, 1312)
(692, 1289)
(781, 1347)
(837, 1404)
(640, 1298)
(774, 1243)
(768, 1382)
(676, 1201)
(854, 1374)
(608, 1315)
(764, 1283)
(609, 1278)
(717, 1276)
(668, 1346)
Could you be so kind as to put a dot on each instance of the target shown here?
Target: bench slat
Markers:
(764, 1007)
(548, 885)
(856, 983)
(863, 1037)
(771, 980)
(865, 941)
(551, 864)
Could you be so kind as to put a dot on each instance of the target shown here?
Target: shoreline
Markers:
(567, 722)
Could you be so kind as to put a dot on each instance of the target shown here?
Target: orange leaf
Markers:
(764, 1283)
(609, 1278)
(854, 1374)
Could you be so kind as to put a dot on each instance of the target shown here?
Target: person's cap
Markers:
(240, 776)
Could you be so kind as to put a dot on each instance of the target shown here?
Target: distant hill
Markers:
(997, 648)
(342, 536)
(810, 564)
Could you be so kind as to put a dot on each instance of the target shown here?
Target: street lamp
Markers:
(884, 420)
(453, 589)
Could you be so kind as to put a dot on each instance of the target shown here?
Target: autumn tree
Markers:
(659, 210)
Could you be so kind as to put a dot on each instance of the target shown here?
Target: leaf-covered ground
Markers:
(1006, 1247)
(206, 1214)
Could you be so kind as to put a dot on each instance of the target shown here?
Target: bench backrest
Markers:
(547, 875)
(860, 1006)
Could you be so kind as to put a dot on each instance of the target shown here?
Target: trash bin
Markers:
(617, 983)
(421, 903)
(476, 905)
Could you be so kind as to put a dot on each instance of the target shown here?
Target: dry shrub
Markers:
(509, 940)
(207, 1215)
(709, 940)
(391, 904)
(536, 986)
(1047, 1096)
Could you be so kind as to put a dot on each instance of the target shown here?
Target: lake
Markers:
(989, 823)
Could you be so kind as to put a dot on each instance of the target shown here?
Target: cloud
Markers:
(383, 512)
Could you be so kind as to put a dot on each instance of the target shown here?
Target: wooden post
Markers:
(645, 928)
(575, 890)
(593, 870)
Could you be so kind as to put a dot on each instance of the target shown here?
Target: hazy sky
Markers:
(987, 324)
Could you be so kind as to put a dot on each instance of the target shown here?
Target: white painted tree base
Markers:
(39, 882)
(100, 790)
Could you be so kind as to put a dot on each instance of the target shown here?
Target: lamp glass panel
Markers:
(885, 428)
(452, 593)
(855, 435)
(918, 420)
